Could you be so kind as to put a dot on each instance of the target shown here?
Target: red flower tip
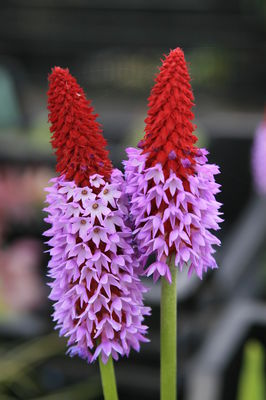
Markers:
(76, 135)
(169, 138)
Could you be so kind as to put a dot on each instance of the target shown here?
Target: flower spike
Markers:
(97, 293)
(171, 186)
(259, 158)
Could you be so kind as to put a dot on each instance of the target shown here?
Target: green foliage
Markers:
(19, 372)
(252, 385)
(82, 391)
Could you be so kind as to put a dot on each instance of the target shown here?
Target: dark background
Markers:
(114, 48)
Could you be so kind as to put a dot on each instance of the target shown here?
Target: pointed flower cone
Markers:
(171, 186)
(76, 135)
(98, 297)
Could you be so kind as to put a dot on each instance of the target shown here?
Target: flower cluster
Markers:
(259, 158)
(98, 295)
(170, 184)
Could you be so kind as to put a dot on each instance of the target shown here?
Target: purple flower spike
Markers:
(97, 293)
(259, 159)
(169, 182)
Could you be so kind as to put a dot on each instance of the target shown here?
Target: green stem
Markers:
(169, 336)
(108, 379)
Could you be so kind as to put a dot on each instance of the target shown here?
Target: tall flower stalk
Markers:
(172, 195)
(97, 294)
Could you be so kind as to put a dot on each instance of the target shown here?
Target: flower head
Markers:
(95, 285)
(259, 158)
(171, 187)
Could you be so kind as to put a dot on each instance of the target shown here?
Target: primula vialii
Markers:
(170, 184)
(168, 197)
(259, 158)
(95, 286)
(172, 199)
